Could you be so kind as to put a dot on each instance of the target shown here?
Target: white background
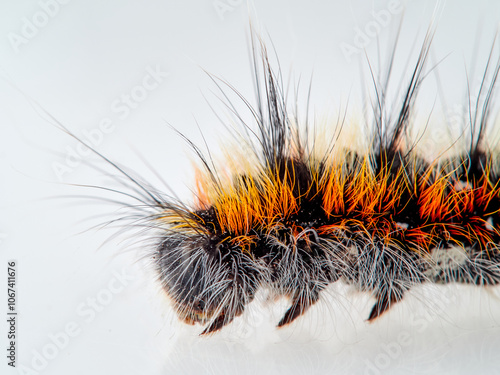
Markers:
(87, 54)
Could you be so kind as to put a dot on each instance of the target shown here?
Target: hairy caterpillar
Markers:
(290, 217)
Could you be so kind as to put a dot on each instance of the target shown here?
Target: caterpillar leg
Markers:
(224, 318)
(386, 272)
(384, 302)
(304, 271)
(300, 304)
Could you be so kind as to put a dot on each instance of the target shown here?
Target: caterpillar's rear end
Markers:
(296, 221)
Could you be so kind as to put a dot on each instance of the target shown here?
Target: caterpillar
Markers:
(289, 215)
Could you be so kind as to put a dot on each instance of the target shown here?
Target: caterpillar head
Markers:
(208, 280)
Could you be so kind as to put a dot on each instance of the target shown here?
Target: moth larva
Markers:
(294, 220)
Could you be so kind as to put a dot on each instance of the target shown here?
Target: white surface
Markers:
(82, 61)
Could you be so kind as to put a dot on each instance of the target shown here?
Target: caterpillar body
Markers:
(287, 216)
